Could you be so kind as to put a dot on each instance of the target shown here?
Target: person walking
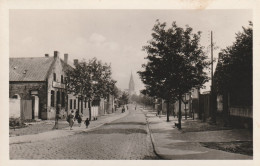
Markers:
(57, 116)
(71, 119)
(79, 120)
(86, 122)
(123, 109)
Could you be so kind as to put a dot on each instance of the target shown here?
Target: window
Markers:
(70, 103)
(58, 97)
(54, 76)
(52, 98)
(75, 103)
(62, 99)
(61, 78)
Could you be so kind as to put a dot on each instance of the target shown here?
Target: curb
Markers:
(155, 149)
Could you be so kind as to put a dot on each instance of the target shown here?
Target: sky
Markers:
(114, 36)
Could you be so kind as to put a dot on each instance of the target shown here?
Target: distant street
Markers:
(126, 138)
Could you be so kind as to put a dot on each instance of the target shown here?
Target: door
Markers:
(35, 107)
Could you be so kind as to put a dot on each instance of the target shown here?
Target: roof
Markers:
(29, 69)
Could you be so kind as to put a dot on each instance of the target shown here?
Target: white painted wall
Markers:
(14, 108)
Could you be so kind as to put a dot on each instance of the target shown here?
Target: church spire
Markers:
(131, 85)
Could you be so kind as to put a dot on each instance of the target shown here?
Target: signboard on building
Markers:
(34, 92)
(58, 85)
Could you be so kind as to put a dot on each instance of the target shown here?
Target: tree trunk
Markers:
(168, 110)
(185, 108)
(89, 107)
(179, 118)
(82, 104)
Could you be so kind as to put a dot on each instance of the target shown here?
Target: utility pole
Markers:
(213, 117)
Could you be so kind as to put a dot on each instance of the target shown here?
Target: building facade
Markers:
(42, 80)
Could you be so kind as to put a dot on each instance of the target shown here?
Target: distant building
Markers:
(39, 84)
(131, 89)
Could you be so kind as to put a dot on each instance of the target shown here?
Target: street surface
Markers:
(125, 138)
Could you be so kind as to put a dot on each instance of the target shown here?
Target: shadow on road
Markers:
(116, 131)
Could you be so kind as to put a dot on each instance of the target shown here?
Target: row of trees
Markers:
(234, 71)
(92, 80)
(176, 63)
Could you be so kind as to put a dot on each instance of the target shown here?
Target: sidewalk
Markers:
(52, 134)
(171, 143)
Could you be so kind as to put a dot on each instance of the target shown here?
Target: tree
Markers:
(234, 71)
(175, 63)
(142, 99)
(124, 98)
(91, 79)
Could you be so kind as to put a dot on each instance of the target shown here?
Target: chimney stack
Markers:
(76, 61)
(46, 55)
(66, 56)
(56, 54)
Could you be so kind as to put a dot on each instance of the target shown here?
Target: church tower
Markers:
(131, 85)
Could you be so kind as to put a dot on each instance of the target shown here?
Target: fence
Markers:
(245, 112)
(94, 112)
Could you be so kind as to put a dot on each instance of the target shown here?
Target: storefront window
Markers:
(52, 98)
(70, 103)
(75, 103)
(62, 99)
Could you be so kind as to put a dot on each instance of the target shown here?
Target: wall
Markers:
(101, 108)
(23, 89)
(110, 104)
(14, 108)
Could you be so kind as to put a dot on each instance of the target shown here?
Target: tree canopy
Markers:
(91, 79)
(124, 98)
(234, 71)
(175, 62)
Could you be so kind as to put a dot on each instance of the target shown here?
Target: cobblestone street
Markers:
(126, 138)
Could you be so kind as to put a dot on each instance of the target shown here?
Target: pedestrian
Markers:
(126, 107)
(86, 122)
(79, 120)
(57, 117)
(71, 119)
(123, 109)
(77, 114)
(135, 107)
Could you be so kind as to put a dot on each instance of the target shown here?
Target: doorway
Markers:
(35, 107)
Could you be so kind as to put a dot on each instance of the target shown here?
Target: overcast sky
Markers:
(113, 36)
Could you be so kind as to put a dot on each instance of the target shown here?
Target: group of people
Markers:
(126, 107)
(71, 118)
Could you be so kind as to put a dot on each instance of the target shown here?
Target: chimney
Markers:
(56, 54)
(46, 55)
(66, 56)
(76, 61)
